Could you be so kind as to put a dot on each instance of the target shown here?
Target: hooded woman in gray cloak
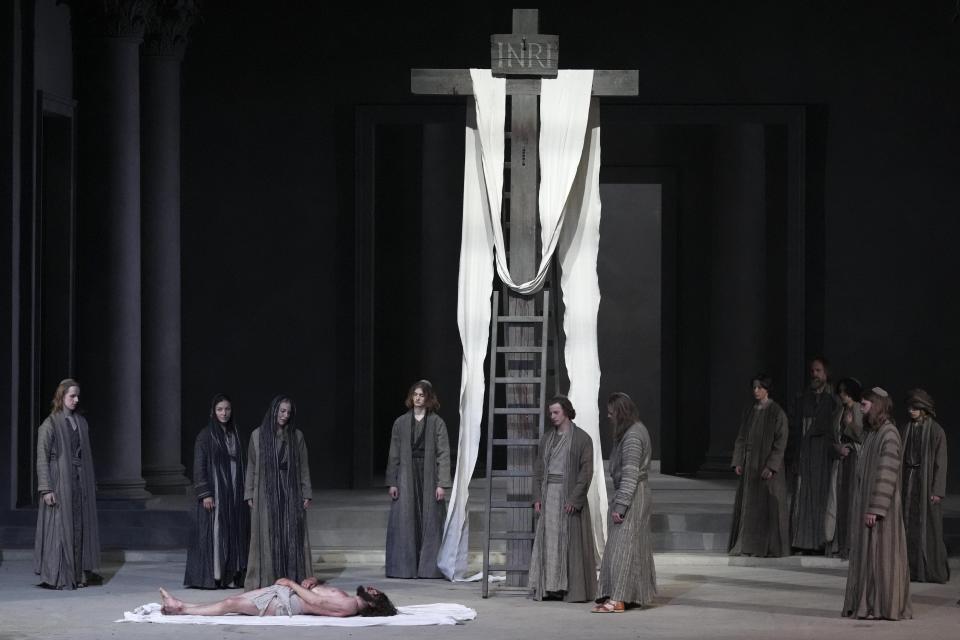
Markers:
(217, 557)
(278, 491)
(878, 577)
(418, 473)
(66, 552)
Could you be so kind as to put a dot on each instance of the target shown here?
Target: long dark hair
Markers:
(234, 516)
(378, 605)
(624, 411)
(287, 516)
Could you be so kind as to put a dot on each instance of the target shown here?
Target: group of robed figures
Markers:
(860, 488)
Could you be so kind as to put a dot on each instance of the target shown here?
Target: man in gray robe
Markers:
(66, 552)
(878, 576)
(811, 459)
(760, 516)
(418, 474)
(924, 486)
(563, 561)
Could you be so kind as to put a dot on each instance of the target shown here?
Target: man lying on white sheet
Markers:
(287, 598)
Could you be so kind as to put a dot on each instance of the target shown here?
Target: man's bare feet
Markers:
(171, 606)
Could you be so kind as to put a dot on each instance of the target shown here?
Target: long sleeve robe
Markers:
(848, 433)
(812, 433)
(405, 558)
(220, 544)
(260, 570)
(878, 576)
(628, 573)
(581, 557)
(760, 515)
(927, 552)
(67, 542)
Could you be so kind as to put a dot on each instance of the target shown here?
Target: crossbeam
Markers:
(457, 82)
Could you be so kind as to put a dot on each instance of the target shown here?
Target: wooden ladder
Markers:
(497, 417)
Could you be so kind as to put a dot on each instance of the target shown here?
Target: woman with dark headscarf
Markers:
(418, 473)
(217, 557)
(278, 491)
(924, 486)
(66, 552)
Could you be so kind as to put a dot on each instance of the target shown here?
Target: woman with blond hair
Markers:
(66, 552)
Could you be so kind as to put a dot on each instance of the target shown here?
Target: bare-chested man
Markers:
(287, 598)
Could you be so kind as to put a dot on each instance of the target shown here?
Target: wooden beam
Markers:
(457, 82)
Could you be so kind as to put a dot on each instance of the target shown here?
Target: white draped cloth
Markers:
(569, 209)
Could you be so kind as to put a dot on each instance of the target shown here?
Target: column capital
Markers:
(167, 26)
(110, 18)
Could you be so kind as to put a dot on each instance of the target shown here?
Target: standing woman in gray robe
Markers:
(418, 473)
(627, 573)
(761, 520)
(66, 551)
(878, 576)
(924, 486)
(217, 557)
(278, 492)
(563, 562)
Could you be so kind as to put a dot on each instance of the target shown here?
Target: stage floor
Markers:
(701, 596)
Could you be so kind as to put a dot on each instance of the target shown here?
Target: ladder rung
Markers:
(530, 349)
(519, 318)
(510, 473)
(516, 442)
(524, 568)
(518, 411)
(511, 504)
(511, 535)
(518, 380)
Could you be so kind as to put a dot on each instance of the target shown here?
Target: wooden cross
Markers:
(523, 57)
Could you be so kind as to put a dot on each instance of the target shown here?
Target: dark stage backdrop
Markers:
(269, 98)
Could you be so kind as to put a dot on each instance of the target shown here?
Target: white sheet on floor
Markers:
(568, 188)
(414, 615)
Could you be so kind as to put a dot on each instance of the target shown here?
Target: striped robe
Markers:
(627, 573)
(878, 578)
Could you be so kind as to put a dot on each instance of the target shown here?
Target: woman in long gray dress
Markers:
(418, 474)
(66, 552)
(627, 573)
(278, 490)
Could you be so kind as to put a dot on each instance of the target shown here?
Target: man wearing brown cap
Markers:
(924, 485)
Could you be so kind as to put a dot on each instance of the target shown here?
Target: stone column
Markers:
(738, 286)
(164, 43)
(108, 34)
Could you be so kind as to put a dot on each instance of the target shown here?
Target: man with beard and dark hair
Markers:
(278, 491)
(811, 455)
(288, 598)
